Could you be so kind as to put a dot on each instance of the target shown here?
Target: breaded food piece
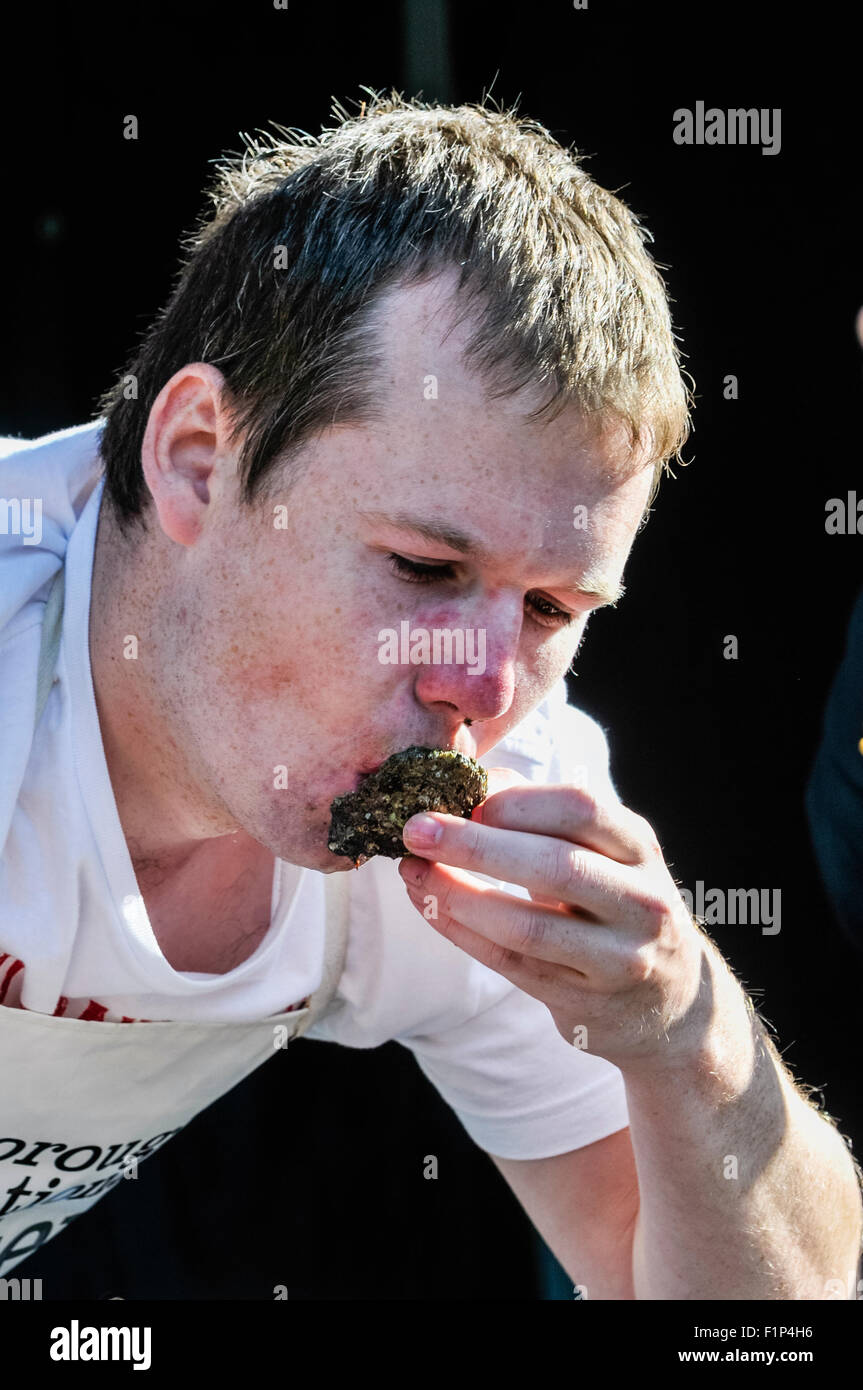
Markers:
(370, 820)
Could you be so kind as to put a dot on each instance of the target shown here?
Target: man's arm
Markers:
(746, 1191)
(584, 1205)
(729, 1185)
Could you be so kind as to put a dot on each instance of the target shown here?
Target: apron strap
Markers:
(52, 627)
(338, 898)
(336, 886)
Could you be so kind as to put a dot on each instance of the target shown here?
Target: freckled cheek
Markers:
(298, 660)
(254, 661)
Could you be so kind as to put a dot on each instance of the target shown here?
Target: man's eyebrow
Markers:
(592, 585)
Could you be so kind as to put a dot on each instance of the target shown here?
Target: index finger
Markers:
(570, 813)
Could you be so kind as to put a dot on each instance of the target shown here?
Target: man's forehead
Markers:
(429, 389)
(430, 311)
(421, 332)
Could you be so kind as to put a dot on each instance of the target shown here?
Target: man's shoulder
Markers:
(59, 470)
(45, 484)
(54, 439)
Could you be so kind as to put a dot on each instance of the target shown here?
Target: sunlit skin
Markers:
(258, 661)
(258, 646)
(258, 651)
(258, 664)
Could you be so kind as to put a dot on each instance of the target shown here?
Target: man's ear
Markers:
(185, 450)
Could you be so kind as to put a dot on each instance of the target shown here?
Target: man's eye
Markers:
(544, 613)
(416, 573)
(554, 617)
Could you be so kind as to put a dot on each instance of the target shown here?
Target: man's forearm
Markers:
(746, 1192)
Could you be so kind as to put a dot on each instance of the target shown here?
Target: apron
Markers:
(83, 1102)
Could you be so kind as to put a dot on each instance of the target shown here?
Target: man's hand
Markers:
(608, 945)
(606, 941)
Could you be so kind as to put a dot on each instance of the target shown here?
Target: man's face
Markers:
(281, 673)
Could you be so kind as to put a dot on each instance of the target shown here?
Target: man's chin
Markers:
(310, 857)
(309, 850)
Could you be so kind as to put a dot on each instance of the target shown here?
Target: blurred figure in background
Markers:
(834, 795)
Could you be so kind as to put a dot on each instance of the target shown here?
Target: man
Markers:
(420, 373)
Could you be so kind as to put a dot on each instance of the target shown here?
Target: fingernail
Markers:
(422, 831)
(414, 870)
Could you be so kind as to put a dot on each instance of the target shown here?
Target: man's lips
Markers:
(367, 768)
(362, 773)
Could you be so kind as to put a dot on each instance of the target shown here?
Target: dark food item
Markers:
(369, 821)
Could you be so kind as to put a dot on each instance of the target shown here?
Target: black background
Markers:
(309, 1174)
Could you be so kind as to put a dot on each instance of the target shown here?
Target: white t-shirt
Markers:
(75, 939)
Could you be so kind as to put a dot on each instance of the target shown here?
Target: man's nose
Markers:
(472, 669)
